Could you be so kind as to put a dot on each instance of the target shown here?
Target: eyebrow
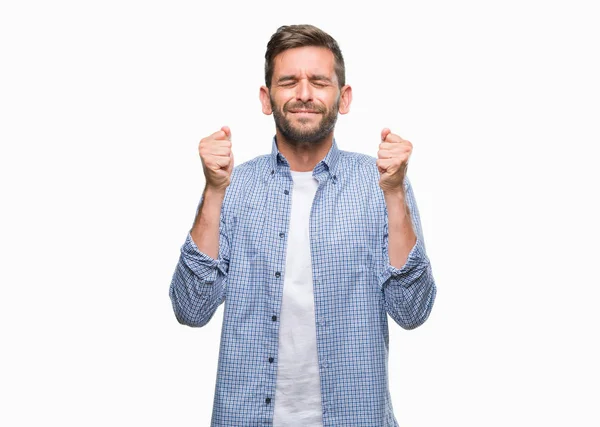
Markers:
(312, 78)
(285, 78)
(321, 77)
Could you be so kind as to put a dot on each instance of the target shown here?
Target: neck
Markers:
(303, 156)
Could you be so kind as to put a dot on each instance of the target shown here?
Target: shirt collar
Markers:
(329, 164)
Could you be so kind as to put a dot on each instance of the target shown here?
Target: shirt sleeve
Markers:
(199, 283)
(409, 291)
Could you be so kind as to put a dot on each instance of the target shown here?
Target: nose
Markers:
(304, 91)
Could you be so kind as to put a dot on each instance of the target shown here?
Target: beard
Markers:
(305, 133)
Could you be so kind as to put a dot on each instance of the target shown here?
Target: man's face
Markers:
(305, 94)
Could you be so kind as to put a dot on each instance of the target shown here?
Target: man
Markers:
(310, 247)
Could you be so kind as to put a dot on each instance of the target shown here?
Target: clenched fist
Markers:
(392, 161)
(217, 158)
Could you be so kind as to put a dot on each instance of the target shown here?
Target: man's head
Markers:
(292, 36)
(305, 83)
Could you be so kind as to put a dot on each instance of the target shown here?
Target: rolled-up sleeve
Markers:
(199, 283)
(409, 291)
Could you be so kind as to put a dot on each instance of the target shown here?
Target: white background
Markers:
(102, 106)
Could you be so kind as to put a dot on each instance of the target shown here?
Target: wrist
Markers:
(396, 194)
(210, 191)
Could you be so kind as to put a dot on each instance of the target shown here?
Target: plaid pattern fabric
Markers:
(355, 288)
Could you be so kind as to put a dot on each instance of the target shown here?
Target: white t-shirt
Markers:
(298, 388)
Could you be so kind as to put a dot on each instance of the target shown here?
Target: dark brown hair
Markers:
(291, 36)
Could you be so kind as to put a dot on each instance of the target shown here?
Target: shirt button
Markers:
(271, 360)
(277, 274)
(281, 234)
(274, 318)
(272, 171)
(268, 400)
(286, 192)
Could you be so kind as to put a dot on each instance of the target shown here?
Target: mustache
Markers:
(304, 106)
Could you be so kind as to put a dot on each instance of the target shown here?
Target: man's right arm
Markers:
(199, 283)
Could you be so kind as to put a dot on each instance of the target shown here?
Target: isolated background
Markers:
(102, 106)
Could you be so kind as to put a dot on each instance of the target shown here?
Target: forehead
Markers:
(305, 60)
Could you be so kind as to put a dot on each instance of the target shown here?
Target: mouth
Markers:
(303, 111)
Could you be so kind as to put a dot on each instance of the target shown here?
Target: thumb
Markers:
(227, 132)
(384, 133)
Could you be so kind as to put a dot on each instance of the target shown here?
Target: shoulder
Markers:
(363, 166)
(245, 177)
(251, 168)
(359, 159)
(356, 165)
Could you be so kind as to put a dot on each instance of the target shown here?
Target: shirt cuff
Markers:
(202, 265)
(415, 262)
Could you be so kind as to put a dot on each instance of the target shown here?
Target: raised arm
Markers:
(199, 283)
(407, 281)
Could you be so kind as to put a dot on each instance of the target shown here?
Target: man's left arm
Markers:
(407, 281)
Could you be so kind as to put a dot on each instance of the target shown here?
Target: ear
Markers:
(265, 100)
(345, 99)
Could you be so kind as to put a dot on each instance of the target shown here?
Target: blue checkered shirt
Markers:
(355, 288)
